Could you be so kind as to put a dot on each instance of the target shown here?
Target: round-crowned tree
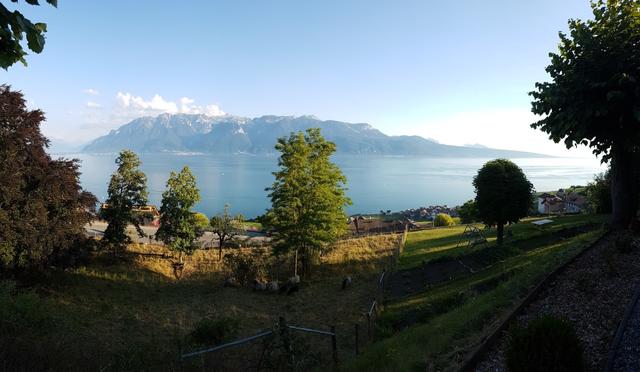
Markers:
(503, 194)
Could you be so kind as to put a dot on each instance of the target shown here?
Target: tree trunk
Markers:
(500, 229)
(624, 193)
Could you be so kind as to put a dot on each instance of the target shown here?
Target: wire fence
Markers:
(295, 346)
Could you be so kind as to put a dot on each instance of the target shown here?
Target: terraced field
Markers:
(445, 298)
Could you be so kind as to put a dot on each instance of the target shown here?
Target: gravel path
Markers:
(627, 357)
(593, 294)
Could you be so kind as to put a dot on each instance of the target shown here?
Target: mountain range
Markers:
(231, 135)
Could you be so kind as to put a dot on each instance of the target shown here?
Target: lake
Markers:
(375, 182)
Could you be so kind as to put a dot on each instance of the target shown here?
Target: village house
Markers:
(561, 202)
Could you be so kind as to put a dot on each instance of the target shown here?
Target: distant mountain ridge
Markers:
(231, 135)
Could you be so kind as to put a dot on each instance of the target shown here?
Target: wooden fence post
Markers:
(357, 346)
(334, 345)
(286, 341)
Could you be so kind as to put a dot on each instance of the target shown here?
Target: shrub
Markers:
(443, 219)
(246, 267)
(547, 344)
(214, 331)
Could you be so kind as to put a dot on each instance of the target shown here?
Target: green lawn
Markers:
(452, 319)
(427, 245)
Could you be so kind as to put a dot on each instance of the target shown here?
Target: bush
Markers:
(547, 344)
(246, 267)
(443, 219)
(214, 331)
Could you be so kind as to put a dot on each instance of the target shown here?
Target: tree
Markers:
(593, 97)
(599, 193)
(202, 221)
(178, 226)
(12, 27)
(503, 194)
(127, 190)
(443, 219)
(307, 197)
(226, 227)
(43, 209)
(468, 212)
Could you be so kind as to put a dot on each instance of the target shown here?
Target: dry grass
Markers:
(113, 308)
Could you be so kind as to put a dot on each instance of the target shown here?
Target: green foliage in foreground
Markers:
(435, 344)
(546, 344)
(13, 25)
(593, 95)
(178, 225)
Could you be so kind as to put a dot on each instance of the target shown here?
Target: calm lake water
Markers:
(374, 182)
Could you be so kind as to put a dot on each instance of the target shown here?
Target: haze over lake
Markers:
(374, 182)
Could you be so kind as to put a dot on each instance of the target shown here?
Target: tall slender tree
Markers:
(43, 209)
(127, 190)
(226, 227)
(308, 196)
(593, 97)
(503, 194)
(178, 224)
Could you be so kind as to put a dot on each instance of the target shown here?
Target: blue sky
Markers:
(454, 71)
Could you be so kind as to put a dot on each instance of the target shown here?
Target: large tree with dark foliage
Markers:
(503, 194)
(308, 196)
(127, 190)
(593, 97)
(43, 209)
(13, 27)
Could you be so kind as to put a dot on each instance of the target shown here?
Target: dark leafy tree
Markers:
(13, 27)
(599, 193)
(226, 227)
(178, 224)
(593, 97)
(43, 209)
(127, 190)
(307, 198)
(503, 194)
(468, 212)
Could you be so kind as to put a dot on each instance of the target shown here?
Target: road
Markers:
(208, 240)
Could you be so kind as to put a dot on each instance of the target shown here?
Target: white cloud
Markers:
(92, 104)
(127, 103)
(91, 92)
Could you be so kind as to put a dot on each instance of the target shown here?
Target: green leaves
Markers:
(13, 25)
(127, 190)
(178, 225)
(594, 86)
(308, 195)
(503, 192)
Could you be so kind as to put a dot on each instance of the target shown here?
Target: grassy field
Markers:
(434, 330)
(427, 245)
(132, 314)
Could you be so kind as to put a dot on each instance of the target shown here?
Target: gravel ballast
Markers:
(592, 293)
